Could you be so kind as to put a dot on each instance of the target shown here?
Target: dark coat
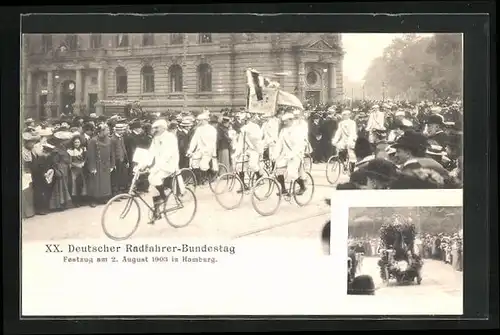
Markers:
(100, 157)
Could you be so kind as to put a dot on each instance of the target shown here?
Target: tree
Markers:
(414, 67)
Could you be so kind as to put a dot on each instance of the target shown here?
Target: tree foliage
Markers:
(414, 68)
(431, 220)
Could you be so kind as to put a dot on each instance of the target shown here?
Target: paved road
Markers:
(211, 219)
(438, 279)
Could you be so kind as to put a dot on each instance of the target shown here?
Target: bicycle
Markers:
(180, 199)
(272, 186)
(335, 165)
(231, 181)
(209, 176)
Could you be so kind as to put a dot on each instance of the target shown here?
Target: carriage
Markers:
(398, 259)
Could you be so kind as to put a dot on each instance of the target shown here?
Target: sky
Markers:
(361, 49)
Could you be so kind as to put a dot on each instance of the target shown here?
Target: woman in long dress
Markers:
(100, 163)
(27, 203)
(60, 198)
(77, 158)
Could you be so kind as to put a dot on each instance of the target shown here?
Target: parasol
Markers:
(288, 99)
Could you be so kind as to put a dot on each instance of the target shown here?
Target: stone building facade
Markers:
(84, 73)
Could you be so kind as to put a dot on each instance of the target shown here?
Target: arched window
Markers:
(148, 79)
(121, 40)
(176, 38)
(205, 38)
(175, 75)
(95, 41)
(72, 42)
(204, 78)
(121, 80)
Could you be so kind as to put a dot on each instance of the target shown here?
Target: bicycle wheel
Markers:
(333, 170)
(264, 189)
(303, 198)
(215, 176)
(253, 178)
(189, 178)
(307, 163)
(229, 191)
(180, 209)
(115, 212)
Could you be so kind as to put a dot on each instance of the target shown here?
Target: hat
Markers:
(375, 107)
(411, 140)
(346, 112)
(120, 126)
(64, 126)
(186, 122)
(93, 116)
(28, 136)
(203, 116)
(172, 125)
(226, 118)
(435, 119)
(29, 120)
(436, 109)
(287, 116)
(296, 112)
(214, 119)
(45, 132)
(88, 126)
(406, 123)
(400, 113)
(178, 117)
(135, 125)
(380, 168)
(435, 150)
(63, 135)
(160, 124)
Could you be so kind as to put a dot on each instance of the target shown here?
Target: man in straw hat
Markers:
(376, 124)
(290, 154)
(163, 163)
(120, 176)
(345, 138)
(203, 146)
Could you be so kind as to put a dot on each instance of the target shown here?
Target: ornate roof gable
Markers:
(319, 45)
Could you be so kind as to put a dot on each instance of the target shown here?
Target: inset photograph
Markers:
(401, 251)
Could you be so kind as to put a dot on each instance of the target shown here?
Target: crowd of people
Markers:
(75, 161)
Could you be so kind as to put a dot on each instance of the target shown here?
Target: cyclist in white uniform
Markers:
(203, 146)
(290, 153)
(345, 138)
(163, 162)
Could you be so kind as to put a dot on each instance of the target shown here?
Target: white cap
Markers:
(160, 124)
(375, 107)
(296, 112)
(407, 123)
(436, 109)
(400, 113)
(203, 116)
(287, 116)
(346, 112)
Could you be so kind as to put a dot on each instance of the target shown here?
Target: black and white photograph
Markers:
(408, 250)
(235, 137)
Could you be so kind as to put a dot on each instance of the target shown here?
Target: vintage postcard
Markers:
(166, 173)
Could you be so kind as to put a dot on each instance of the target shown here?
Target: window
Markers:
(175, 75)
(93, 80)
(46, 43)
(121, 40)
(121, 80)
(205, 38)
(95, 41)
(204, 78)
(72, 42)
(148, 40)
(176, 38)
(148, 79)
(312, 78)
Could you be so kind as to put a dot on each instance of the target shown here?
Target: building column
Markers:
(331, 82)
(100, 92)
(29, 88)
(77, 108)
(301, 74)
(50, 105)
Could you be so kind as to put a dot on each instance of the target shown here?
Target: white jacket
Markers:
(376, 121)
(164, 154)
(204, 141)
(346, 135)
